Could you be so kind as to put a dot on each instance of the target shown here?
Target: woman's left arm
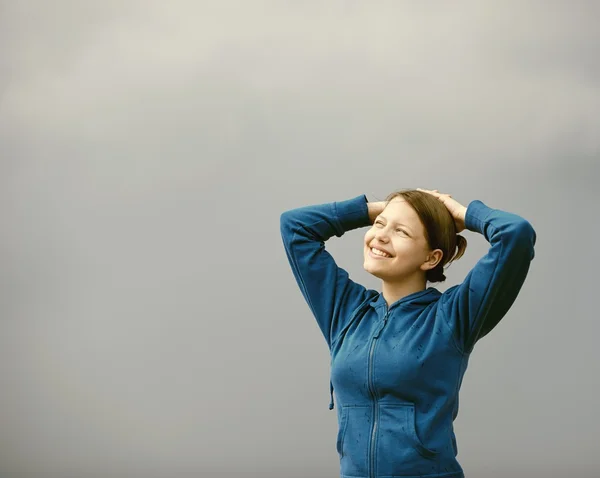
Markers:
(476, 306)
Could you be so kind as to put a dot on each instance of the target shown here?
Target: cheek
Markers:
(405, 250)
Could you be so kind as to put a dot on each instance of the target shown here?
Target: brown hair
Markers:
(440, 230)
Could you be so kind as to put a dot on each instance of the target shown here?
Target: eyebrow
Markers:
(398, 223)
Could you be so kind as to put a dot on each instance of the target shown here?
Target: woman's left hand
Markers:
(456, 209)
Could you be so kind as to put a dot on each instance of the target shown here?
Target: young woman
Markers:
(398, 357)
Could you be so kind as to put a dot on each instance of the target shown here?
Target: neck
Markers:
(394, 291)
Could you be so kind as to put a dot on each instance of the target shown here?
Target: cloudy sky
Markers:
(150, 324)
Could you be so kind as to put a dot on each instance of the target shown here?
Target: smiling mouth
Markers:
(377, 255)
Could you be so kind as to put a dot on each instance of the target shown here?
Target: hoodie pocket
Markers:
(399, 448)
(341, 430)
(353, 439)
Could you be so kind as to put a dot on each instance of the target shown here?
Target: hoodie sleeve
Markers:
(326, 287)
(476, 306)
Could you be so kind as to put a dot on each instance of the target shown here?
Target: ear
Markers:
(433, 259)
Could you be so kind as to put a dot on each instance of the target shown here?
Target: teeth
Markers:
(380, 253)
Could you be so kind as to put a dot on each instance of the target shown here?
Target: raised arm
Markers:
(327, 288)
(477, 305)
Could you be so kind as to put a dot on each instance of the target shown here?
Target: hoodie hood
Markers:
(417, 300)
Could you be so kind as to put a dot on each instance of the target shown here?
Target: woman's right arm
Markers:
(327, 288)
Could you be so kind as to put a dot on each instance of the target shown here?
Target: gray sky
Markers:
(150, 324)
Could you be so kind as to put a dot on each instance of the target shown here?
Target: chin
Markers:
(366, 268)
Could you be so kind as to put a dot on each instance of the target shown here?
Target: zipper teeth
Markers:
(372, 445)
(372, 390)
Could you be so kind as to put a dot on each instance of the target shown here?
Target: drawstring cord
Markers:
(331, 394)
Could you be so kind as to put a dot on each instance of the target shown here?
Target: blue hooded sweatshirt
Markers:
(397, 370)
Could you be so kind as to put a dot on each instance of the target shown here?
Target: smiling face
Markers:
(398, 231)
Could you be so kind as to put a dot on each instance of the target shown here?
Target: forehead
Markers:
(399, 211)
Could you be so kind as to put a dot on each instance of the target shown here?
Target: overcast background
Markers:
(150, 324)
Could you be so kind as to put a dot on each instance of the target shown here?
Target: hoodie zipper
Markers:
(375, 407)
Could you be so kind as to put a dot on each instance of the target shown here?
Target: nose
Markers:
(381, 234)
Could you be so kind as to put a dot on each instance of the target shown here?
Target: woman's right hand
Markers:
(375, 209)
